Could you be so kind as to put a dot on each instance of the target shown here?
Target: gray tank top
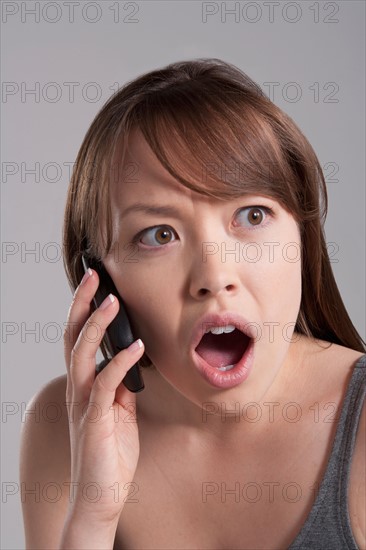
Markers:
(328, 526)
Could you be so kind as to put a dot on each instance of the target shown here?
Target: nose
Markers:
(214, 275)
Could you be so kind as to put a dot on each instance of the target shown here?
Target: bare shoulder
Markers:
(325, 366)
(46, 416)
(327, 354)
(44, 465)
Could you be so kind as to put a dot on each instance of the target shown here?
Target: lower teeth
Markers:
(228, 367)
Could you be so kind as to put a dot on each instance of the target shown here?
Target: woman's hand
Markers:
(102, 411)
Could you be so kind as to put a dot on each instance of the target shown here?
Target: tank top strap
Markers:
(328, 524)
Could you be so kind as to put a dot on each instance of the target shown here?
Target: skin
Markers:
(182, 287)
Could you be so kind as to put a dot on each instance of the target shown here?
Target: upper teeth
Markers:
(220, 330)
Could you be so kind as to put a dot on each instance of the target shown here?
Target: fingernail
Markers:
(107, 302)
(88, 274)
(137, 344)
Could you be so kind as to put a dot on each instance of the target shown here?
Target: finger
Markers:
(79, 312)
(83, 354)
(103, 392)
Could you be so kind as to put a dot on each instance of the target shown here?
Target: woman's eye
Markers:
(155, 236)
(255, 215)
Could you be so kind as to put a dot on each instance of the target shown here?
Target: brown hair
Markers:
(216, 132)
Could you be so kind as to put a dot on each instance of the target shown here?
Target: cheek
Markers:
(150, 298)
(287, 271)
(277, 280)
(277, 295)
(288, 288)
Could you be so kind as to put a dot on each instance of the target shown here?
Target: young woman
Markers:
(205, 204)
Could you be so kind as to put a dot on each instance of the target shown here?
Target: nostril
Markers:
(202, 291)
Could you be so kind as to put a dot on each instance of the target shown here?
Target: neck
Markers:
(162, 407)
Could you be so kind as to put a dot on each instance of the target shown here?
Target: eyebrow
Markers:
(158, 210)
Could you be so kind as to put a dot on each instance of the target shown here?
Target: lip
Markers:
(241, 371)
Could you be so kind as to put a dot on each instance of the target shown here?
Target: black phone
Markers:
(118, 335)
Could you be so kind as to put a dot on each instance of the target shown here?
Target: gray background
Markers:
(319, 46)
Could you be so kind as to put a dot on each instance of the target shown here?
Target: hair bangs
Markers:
(216, 146)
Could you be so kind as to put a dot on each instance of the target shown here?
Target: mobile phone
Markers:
(118, 334)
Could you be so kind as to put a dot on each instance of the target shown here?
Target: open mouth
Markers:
(223, 351)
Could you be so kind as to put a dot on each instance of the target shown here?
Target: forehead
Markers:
(139, 177)
(137, 150)
(137, 170)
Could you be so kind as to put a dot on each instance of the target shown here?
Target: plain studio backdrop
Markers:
(60, 63)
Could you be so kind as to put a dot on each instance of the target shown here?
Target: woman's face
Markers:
(208, 256)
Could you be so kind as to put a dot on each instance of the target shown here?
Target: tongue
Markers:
(220, 350)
